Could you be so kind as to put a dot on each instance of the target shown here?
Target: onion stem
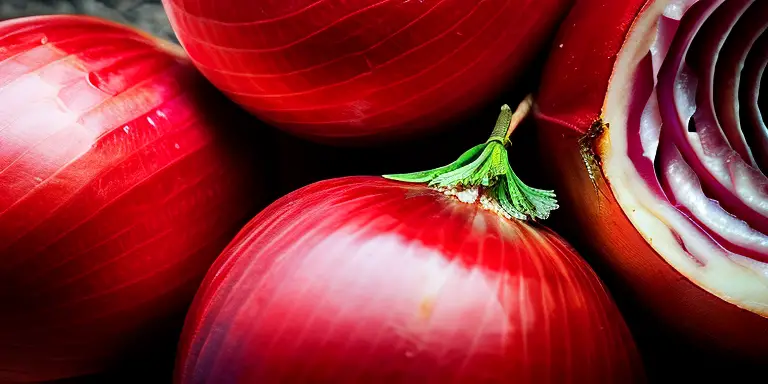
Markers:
(486, 167)
(508, 122)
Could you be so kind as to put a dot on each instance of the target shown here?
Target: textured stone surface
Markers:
(145, 14)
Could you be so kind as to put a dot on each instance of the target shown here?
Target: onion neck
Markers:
(486, 169)
(508, 121)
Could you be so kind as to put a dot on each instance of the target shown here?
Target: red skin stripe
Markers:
(348, 71)
(570, 99)
(122, 177)
(359, 280)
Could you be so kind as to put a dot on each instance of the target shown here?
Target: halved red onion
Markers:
(121, 179)
(675, 86)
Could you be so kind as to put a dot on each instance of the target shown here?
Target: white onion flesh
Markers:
(680, 241)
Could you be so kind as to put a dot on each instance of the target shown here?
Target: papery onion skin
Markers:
(571, 98)
(121, 180)
(362, 279)
(572, 91)
(363, 70)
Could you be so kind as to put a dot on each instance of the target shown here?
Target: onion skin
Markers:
(363, 70)
(120, 182)
(571, 99)
(576, 75)
(362, 279)
(607, 233)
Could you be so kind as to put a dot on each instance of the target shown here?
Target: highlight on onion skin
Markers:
(362, 279)
(364, 70)
(679, 216)
(120, 184)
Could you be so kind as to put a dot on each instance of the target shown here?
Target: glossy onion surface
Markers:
(675, 85)
(119, 185)
(346, 70)
(362, 280)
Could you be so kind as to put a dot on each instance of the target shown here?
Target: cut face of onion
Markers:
(714, 200)
(120, 182)
(363, 279)
(683, 152)
(346, 70)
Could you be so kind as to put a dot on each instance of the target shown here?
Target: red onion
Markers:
(668, 125)
(362, 69)
(118, 187)
(362, 279)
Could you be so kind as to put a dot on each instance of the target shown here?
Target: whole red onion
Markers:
(363, 69)
(660, 100)
(120, 182)
(362, 279)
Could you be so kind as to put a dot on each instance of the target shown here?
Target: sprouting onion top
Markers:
(485, 168)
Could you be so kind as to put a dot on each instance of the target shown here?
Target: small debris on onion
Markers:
(682, 213)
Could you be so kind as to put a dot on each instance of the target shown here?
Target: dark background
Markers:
(145, 14)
